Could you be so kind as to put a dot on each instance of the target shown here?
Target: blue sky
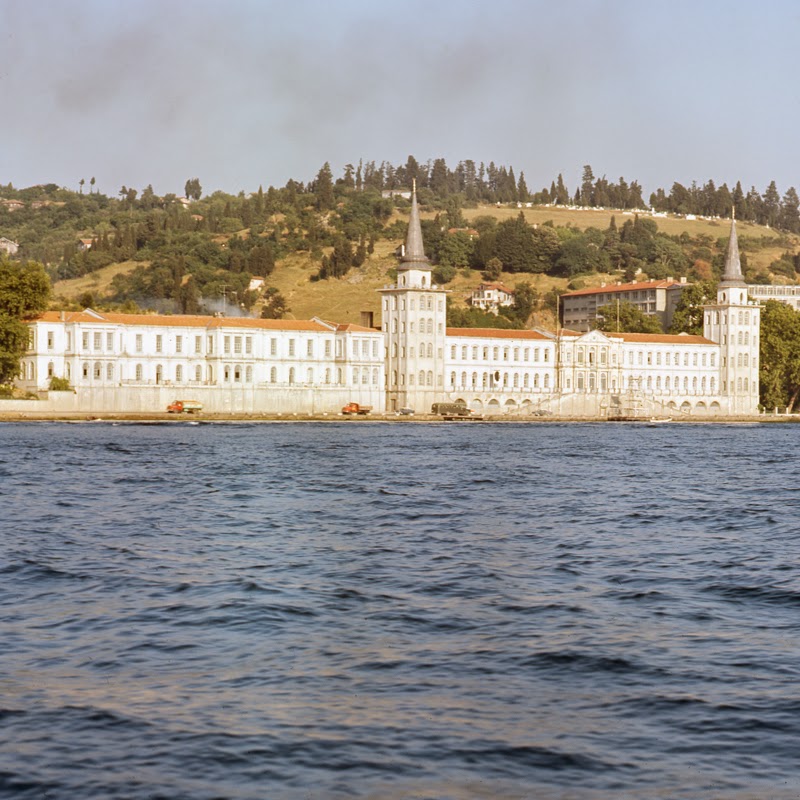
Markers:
(244, 93)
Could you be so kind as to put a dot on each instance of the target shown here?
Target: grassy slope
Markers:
(342, 300)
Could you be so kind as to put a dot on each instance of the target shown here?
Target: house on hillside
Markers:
(255, 285)
(404, 193)
(85, 244)
(492, 297)
(12, 205)
(8, 247)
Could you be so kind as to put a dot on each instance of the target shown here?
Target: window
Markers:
(226, 344)
(109, 372)
(98, 370)
(50, 370)
(198, 344)
(109, 341)
(291, 375)
(248, 345)
(139, 372)
(273, 374)
(159, 343)
(198, 373)
(273, 347)
(98, 345)
(138, 342)
(178, 374)
(248, 374)
(310, 348)
(237, 374)
(179, 344)
(210, 345)
(310, 375)
(327, 349)
(85, 341)
(237, 345)
(291, 347)
(50, 343)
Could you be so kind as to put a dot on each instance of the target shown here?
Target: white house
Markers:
(492, 297)
(8, 246)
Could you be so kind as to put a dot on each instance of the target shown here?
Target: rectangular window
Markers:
(109, 341)
(226, 344)
(237, 344)
(179, 344)
(248, 345)
(210, 344)
(310, 348)
(50, 342)
(138, 342)
(327, 350)
(98, 343)
(291, 347)
(198, 344)
(159, 343)
(273, 347)
(374, 348)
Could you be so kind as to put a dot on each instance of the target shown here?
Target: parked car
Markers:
(406, 412)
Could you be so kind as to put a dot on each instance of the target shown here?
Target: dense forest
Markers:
(194, 248)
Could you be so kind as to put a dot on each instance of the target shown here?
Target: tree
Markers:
(494, 268)
(626, 318)
(526, 298)
(91, 184)
(192, 189)
(779, 373)
(80, 183)
(323, 188)
(24, 292)
(790, 211)
(275, 304)
(688, 314)
(587, 184)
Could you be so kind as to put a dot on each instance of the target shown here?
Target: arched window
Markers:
(98, 370)
(50, 370)
(745, 384)
(430, 326)
(713, 385)
(666, 384)
(430, 351)
(430, 378)
(694, 385)
(741, 337)
(452, 379)
(474, 379)
(535, 380)
(686, 385)
(516, 380)
(355, 375)
(703, 385)
(525, 381)
(273, 375)
(546, 381)
(291, 376)
(375, 376)
(739, 384)
(463, 378)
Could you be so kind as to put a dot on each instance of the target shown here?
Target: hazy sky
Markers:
(247, 92)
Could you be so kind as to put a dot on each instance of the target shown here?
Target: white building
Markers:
(492, 297)
(121, 362)
(8, 246)
(789, 295)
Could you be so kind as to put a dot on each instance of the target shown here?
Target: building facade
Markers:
(492, 297)
(789, 295)
(121, 362)
(653, 298)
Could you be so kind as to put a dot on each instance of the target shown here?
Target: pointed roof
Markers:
(732, 276)
(414, 256)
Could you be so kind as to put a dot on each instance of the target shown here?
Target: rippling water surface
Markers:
(367, 610)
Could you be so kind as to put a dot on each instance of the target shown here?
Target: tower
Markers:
(414, 319)
(734, 323)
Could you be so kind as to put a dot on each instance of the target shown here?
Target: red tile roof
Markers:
(624, 287)
(497, 333)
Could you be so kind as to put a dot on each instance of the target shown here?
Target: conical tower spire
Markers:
(733, 266)
(414, 256)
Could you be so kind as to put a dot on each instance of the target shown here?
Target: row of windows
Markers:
(425, 351)
(494, 353)
(425, 302)
(742, 316)
(425, 379)
(491, 380)
(424, 327)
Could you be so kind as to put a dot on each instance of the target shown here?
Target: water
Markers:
(366, 610)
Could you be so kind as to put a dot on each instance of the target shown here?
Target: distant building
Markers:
(404, 193)
(653, 298)
(790, 295)
(85, 244)
(492, 297)
(255, 285)
(8, 247)
(12, 205)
